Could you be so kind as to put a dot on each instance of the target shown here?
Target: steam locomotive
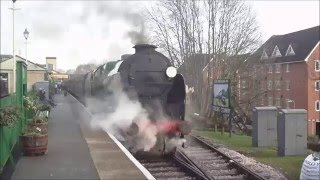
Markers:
(148, 77)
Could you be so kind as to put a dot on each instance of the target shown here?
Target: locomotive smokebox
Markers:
(144, 47)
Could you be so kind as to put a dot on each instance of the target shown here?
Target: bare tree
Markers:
(85, 68)
(222, 30)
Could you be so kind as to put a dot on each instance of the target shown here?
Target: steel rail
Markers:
(188, 163)
(248, 172)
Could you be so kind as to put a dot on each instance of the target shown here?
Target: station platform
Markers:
(75, 151)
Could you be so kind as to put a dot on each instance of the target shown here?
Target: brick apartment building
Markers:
(285, 72)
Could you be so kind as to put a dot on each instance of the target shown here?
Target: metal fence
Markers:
(9, 136)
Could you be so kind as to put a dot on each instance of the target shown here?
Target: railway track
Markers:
(170, 167)
(215, 164)
(200, 161)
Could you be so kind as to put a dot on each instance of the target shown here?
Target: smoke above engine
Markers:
(114, 10)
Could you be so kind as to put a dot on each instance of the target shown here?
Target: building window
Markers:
(270, 68)
(287, 68)
(276, 52)
(4, 89)
(290, 51)
(317, 85)
(317, 104)
(287, 103)
(317, 65)
(278, 68)
(270, 103)
(277, 85)
(269, 85)
(278, 103)
(288, 85)
(264, 55)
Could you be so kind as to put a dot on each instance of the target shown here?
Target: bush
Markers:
(9, 116)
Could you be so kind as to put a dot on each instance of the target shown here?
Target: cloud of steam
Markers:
(115, 114)
(109, 11)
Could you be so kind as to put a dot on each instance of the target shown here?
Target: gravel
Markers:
(266, 171)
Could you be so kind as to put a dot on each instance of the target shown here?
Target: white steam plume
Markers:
(115, 114)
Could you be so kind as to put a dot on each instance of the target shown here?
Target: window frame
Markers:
(274, 53)
(270, 99)
(288, 67)
(270, 68)
(277, 68)
(278, 100)
(315, 65)
(317, 102)
(277, 85)
(7, 91)
(270, 83)
(315, 85)
(288, 52)
(264, 55)
(287, 104)
(288, 85)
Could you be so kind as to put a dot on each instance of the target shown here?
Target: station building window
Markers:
(4, 89)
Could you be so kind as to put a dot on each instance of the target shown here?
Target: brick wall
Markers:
(313, 95)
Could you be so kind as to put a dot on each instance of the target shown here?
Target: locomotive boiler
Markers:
(146, 76)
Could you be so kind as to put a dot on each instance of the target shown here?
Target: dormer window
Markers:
(290, 51)
(276, 52)
(264, 55)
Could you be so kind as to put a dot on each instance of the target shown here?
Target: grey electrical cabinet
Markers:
(292, 132)
(264, 126)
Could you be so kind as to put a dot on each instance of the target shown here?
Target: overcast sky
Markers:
(78, 32)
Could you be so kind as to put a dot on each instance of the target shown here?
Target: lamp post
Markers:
(294, 104)
(26, 35)
(13, 46)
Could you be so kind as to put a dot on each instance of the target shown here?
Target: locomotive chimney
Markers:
(144, 47)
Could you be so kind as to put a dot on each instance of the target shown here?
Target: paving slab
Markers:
(68, 154)
(110, 161)
(76, 151)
